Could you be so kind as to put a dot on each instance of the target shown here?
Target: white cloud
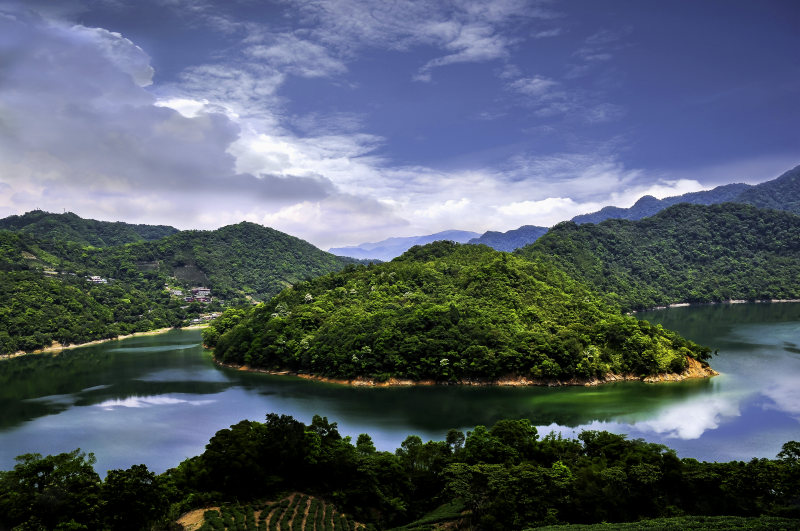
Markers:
(128, 57)
(290, 54)
(79, 132)
(535, 87)
(691, 419)
(148, 401)
(472, 43)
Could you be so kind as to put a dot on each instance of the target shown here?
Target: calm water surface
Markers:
(158, 399)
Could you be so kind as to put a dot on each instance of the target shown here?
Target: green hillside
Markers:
(686, 253)
(45, 295)
(234, 261)
(782, 193)
(71, 227)
(451, 313)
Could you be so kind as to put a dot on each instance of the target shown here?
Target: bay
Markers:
(158, 399)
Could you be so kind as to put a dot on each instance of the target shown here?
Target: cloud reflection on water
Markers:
(148, 401)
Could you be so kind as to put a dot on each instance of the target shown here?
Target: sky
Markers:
(346, 121)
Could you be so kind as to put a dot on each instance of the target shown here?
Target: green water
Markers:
(158, 399)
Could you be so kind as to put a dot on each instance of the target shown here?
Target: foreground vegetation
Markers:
(450, 313)
(502, 477)
(686, 253)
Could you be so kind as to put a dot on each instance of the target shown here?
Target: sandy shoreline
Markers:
(57, 347)
(695, 370)
(729, 301)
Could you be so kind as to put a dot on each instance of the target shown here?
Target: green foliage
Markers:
(43, 492)
(686, 253)
(72, 228)
(134, 498)
(451, 313)
(503, 477)
(45, 295)
(782, 193)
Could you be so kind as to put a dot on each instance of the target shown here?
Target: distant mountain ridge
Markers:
(648, 205)
(781, 193)
(390, 248)
(73, 228)
(510, 240)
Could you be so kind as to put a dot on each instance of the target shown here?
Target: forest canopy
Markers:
(686, 253)
(450, 313)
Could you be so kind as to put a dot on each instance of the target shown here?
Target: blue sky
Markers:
(343, 121)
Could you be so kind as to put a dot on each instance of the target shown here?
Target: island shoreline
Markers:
(56, 348)
(695, 370)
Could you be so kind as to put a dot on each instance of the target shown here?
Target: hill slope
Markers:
(390, 248)
(448, 312)
(245, 259)
(648, 205)
(45, 295)
(687, 253)
(782, 193)
(70, 227)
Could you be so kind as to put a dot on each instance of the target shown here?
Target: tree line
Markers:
(506, 477)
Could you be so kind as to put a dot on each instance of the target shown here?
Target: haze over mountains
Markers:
(782, 193)
(392, 247)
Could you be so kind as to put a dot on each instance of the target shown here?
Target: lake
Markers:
(158, 399)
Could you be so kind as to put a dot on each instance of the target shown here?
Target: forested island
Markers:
(449, 313)
(504, 477)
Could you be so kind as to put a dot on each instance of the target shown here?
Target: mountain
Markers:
(512, 239)
(686, 253)
(46, 294)
(239, 260)
(450, 313)
(73, 228)
(782, 193)
(385, 250)
(649, 205)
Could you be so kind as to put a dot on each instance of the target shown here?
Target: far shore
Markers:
(57, 347)
(694, 370)
(712, 303)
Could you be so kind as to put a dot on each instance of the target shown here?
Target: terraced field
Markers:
(296, 512)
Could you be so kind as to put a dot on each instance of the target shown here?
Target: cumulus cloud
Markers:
(79, 131)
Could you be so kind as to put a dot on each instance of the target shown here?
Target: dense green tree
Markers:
(686, 253)
(51, 491)
(452, 313)
(134, 498)
(504, 475)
